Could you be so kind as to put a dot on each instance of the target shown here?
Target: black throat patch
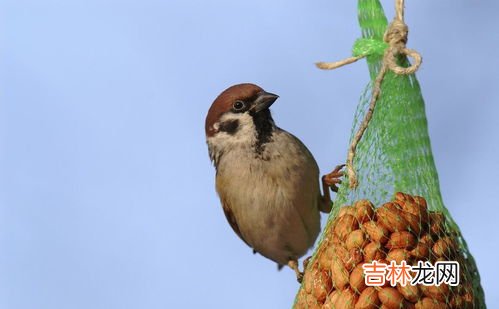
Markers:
(264, 125)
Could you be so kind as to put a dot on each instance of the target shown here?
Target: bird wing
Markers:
(229, 214)
(232, 221)
(308, 184)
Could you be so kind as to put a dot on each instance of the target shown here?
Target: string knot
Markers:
(396, 37)
(397, 33)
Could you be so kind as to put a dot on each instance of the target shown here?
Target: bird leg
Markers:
(330, 181)
(294, 265)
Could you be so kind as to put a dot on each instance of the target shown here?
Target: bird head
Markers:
(240, 115)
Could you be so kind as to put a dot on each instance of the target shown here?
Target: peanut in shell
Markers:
(312, 303)
(457, 302)
(308, 279)
(339, 274)
(376, 232)
(355, 258)
(347, 299)
(401, 240)
(437, 221)
(364, 211)
(368, 299)
(346, 210)
(427, 239)
(408, 305)
(444, 247)
(340, 253)
(439, 293)
(322, 285)
(428, 303)
(389, 216)
(331, 300)
(420, 201)
(421, 251)
(401, 196)
(415, 225)
(356, 239)
(391, 298)
(418, 210)
(325, 257)
(344, 225)
(398, 255)
(373, 251)
(410, 292)
(357, 281)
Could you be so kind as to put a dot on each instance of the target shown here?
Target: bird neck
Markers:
(265, 127)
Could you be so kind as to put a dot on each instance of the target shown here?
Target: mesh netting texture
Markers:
(395, 216)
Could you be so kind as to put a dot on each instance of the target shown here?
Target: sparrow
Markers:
(266, 178)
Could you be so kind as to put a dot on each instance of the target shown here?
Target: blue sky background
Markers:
(107, 194)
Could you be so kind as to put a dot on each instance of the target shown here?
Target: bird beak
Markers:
(264, 100)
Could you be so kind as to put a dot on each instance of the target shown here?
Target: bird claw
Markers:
(299, 278)
(333, 179)
(293, 264)
(305, 263)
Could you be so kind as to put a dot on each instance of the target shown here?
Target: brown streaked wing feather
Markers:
(232, 221)
(221, 189)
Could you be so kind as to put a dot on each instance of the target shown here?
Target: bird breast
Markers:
(273, 195)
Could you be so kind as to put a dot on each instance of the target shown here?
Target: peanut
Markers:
(322, 285)
(398, 255)
(437, 221)
(410, 292)
(389, 216)
(346, 210)
(345, 225)
(428, 303)
(373, 251)
(391, 298)
(364, 211)
(368, 299)
(376, 232)
(357, 281)
(401, 240)
(356, 239)
(346, 300)
(421, 251)
(339, 274)
(331, 300)
(444, 247)
(439, 293)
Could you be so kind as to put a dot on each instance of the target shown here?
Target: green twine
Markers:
(369, 47)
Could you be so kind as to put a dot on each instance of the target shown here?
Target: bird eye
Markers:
(238, 105)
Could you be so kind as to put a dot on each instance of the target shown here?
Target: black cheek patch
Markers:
(229, 126)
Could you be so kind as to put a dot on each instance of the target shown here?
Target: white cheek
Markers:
(244, 136)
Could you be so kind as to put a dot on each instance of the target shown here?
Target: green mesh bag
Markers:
(396, 212)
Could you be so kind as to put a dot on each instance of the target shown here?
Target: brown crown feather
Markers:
(223, 103)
